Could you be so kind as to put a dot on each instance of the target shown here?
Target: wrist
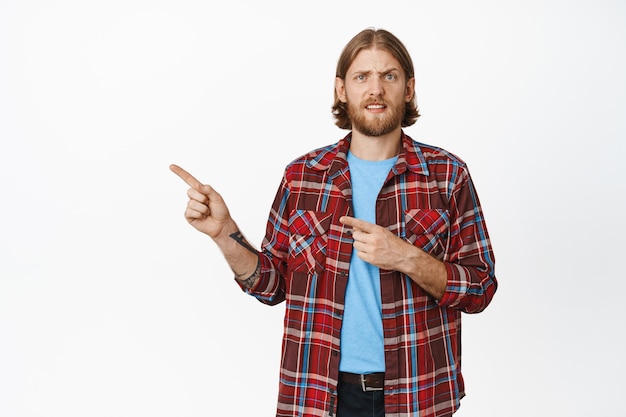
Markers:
(223, 237)
(428, 272)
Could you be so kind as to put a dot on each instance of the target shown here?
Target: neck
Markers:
(376, 148)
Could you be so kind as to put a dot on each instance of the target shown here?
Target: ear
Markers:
(340, 89)
(410, 90)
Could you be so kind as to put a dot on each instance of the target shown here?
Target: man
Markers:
(377, 244)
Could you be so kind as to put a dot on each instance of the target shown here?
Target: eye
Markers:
(360, 77)
(390, 77)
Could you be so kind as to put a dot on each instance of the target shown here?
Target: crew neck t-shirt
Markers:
(362, 348)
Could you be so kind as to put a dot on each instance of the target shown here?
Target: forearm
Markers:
(427, 272)
(240, 255)
(466, 287)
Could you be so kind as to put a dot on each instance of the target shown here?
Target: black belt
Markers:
(367, 382)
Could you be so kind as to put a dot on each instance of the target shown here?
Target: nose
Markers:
(376, 86)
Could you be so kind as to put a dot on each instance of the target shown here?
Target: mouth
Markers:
(375, 106)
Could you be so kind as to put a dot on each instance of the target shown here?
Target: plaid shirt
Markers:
(428, 200)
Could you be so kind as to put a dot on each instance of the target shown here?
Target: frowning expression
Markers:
(376, 92)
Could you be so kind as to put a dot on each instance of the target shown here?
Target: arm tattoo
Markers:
(242, 241)
(249, 282)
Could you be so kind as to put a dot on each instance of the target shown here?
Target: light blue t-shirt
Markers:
(362, 349)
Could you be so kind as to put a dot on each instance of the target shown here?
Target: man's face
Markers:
(375, 90)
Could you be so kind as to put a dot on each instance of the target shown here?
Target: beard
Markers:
(379, 124)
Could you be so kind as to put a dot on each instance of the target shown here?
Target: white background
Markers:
(112, 305)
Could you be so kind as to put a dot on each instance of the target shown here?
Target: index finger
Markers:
(356, 223)
(185, 176)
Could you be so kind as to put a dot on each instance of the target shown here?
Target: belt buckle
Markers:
(365, 388)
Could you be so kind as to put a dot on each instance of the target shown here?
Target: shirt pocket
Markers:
(308, 240)
(428, 229)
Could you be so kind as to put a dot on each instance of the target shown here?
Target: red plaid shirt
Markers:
(428, 200)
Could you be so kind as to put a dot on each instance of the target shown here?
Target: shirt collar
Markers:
(334, 158)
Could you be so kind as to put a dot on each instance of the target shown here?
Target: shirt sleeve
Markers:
(270, 288)
(469, 260)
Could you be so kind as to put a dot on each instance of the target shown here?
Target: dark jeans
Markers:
(354, 402)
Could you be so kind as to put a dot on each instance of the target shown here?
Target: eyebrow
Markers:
(369, 72)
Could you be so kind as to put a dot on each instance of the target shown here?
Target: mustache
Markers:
(366, 103)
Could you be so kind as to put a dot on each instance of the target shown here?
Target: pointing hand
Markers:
(206, 210)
